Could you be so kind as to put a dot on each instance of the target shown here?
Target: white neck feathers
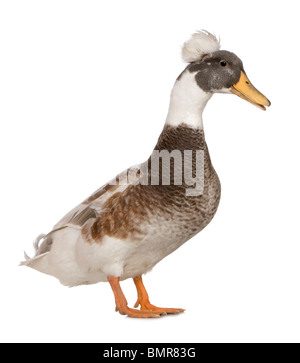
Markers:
(187, 102)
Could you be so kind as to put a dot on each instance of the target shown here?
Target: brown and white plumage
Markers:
(125, 228)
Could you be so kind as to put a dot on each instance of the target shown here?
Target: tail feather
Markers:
(37, 241)
(26, 256)
(31, 262)
(36, 244)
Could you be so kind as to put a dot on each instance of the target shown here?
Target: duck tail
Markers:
(36, 244)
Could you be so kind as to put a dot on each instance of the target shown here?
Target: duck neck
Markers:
(187, 102)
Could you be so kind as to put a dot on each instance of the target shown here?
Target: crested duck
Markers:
(130, 224)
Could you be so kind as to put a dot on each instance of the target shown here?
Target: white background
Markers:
(84, 92)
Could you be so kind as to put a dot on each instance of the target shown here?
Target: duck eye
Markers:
(223, 63)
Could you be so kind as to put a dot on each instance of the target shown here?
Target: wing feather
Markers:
(92, 206)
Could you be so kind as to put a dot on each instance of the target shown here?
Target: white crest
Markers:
(202, 42)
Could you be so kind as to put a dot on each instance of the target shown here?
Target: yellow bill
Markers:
(244, 89)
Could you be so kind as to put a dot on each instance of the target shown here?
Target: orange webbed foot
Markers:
(143, 300)
(135, 313)
(147, 306)
(121, 303)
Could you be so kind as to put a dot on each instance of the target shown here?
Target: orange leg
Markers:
(121, 302)
(143, 300)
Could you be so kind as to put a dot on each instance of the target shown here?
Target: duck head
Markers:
(219, 71)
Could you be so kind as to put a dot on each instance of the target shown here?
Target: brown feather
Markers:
(125, 214)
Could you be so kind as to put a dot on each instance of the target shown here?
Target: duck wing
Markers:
(93, 205)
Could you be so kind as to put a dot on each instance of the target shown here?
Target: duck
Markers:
(148, 211)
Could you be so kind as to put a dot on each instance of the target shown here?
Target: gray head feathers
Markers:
(201, 43)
